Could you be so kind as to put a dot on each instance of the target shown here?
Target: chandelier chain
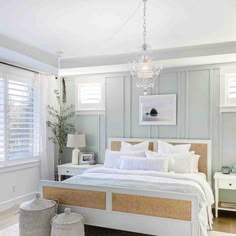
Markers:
(144, 23)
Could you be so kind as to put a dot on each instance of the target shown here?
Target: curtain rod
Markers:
(19, 67)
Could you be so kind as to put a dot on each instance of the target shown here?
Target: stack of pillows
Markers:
(175, 158)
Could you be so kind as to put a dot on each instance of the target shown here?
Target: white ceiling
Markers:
(84, 28)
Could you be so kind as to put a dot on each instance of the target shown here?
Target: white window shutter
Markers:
(22, 120)
(90, 95)
(2, 119)
(231, 90)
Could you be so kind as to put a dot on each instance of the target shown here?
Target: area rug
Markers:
(95, 231)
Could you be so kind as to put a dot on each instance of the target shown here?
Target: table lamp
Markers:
(76, 141)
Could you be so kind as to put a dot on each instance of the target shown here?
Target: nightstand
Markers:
(71, 170)
(224, 181)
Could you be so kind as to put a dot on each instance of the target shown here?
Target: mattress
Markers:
(194, 183)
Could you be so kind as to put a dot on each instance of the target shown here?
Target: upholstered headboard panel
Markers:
(201, 147)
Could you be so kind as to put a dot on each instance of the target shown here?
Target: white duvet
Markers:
(152, 180)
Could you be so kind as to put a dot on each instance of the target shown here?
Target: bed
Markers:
(149, 202)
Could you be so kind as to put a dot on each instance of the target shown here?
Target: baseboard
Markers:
(15, 203)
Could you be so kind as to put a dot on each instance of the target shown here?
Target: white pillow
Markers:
(127, 147)
(151, 154)
(183, 165)
(134, 163)
(112, 158)
(164, 147)
(184, 162)
(195, 159)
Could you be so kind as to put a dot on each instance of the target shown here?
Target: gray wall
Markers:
(198, 116)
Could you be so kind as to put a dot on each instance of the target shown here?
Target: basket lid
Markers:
(67, 217)
(37, 204)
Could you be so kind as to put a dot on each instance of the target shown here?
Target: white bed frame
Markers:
(140, 223)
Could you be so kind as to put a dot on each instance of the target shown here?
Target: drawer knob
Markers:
(67, 171)
(230, 184)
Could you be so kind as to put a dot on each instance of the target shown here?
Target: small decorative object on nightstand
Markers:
(71, 170)
(76, 141)
(223, 181)
(87, 158)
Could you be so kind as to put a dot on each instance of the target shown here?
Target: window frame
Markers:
(7, 164)
(95, 108)
(227, 104)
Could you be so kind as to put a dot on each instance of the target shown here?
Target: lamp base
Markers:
(75, 156)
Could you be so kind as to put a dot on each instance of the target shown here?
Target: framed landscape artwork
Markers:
(157, 109)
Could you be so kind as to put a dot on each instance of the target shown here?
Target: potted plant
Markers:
(60, 124)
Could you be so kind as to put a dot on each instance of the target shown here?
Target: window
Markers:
(228, 89)
(19, 116)
(90, 95)
(230, 80)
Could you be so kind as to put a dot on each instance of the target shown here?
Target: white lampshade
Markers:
(76, 140)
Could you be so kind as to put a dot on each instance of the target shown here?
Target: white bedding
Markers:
(152, 180)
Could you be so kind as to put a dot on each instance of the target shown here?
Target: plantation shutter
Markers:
(232, 86)
(22, 118)
(2, 123)
(91, 94)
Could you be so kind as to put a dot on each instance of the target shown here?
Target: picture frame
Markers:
(87, 158)
(157, 109)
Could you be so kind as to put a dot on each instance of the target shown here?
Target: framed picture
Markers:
(87, 158)
(157, 109)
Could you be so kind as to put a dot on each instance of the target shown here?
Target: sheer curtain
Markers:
(47, 83)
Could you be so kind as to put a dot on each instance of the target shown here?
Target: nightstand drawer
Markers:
(71, 171)
(227, 184)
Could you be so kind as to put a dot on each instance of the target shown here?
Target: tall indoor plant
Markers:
(60, 123)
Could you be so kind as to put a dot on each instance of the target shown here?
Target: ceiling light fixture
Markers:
(144, 69)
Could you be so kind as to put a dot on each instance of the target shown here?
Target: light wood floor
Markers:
(226, 222)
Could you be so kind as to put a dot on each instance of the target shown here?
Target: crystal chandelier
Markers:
(143, 69)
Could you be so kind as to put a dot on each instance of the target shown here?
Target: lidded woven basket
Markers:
(35, 217)
(68, 224)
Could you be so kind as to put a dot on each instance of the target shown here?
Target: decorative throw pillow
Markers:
(135, 163)
(164, 147)
(140, 147)
(183, 162)
(112, 158)
(195, 160)
(151, 154)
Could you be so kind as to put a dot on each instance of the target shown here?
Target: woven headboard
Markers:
(201, 147)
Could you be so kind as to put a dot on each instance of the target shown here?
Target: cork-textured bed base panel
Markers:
(116, 145)
(151, 206)
(76, 197)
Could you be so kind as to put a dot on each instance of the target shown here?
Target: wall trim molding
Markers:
(213, 53)
(19, 166)
(15, 202)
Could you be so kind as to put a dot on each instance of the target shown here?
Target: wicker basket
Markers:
(35, 217)
(68, 224)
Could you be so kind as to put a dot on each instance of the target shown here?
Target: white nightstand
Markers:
(224, 181)
(71, 170)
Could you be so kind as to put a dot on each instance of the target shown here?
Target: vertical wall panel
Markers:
(215, 125)
(127, 105)
(91, 130)
(228, 139)
(115, 106)
(137, 130)
(168, 84)
(198, 104)
(182, 105)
